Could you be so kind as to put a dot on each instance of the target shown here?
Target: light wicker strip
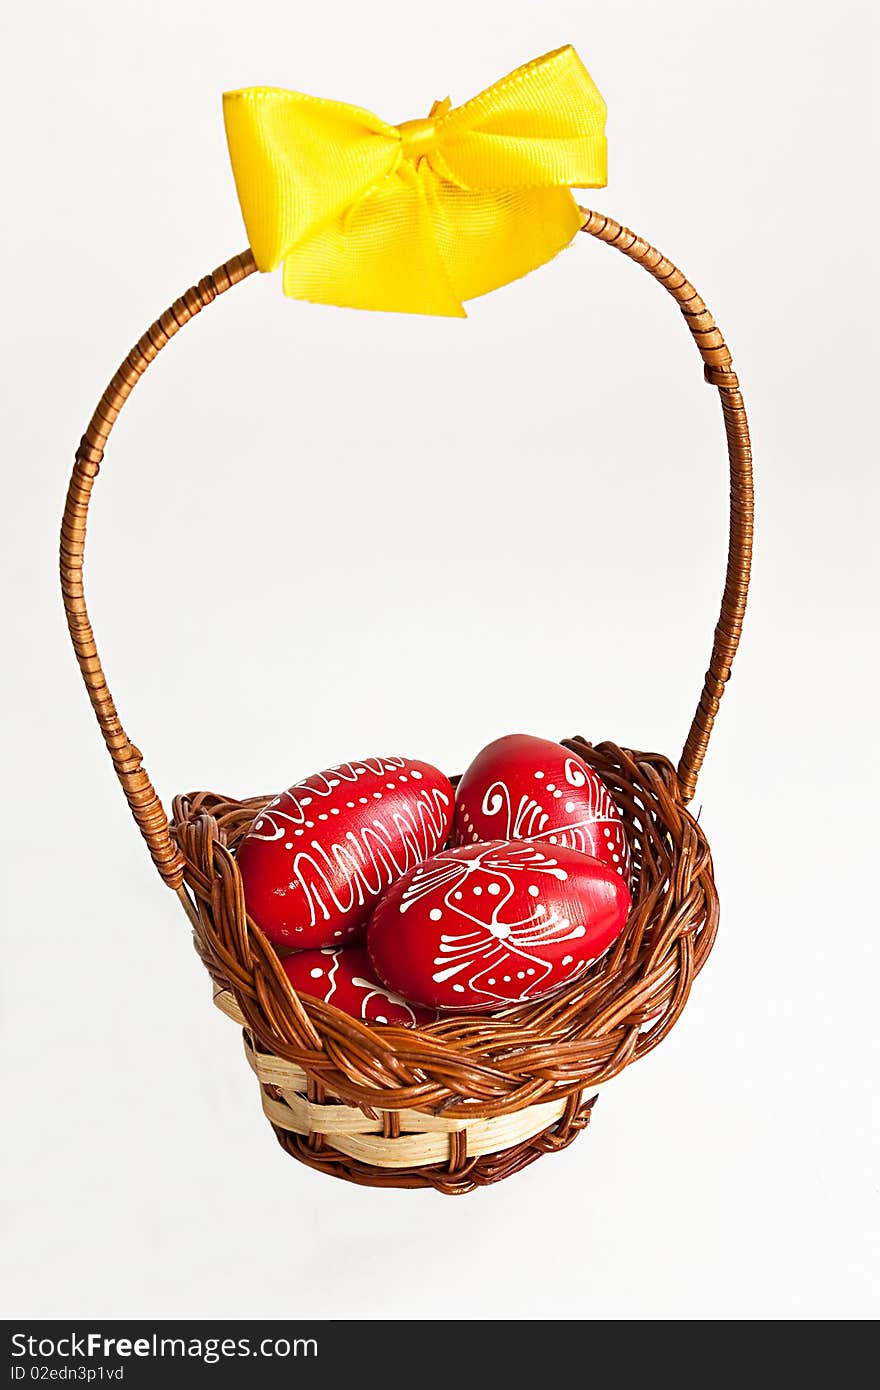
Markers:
(421, 1149)
(423, 1139)
(226, 1002)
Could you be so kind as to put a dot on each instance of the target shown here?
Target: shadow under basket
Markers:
(467, 1100)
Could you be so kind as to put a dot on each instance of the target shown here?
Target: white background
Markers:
(321, 534)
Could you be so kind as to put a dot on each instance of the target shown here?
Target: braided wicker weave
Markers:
(468, 1100)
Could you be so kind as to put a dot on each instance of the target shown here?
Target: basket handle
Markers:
(127, 760)
(139, 791)
(718, 372)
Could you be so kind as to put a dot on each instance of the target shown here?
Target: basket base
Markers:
(402, 1148)
(472, 1174)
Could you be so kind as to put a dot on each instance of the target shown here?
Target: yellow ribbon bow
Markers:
(417, 217)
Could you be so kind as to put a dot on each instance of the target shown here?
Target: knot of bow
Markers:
(420, 216)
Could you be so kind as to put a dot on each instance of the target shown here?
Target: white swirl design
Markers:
(575, 775)
(598, 831)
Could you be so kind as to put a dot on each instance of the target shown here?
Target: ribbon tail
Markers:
(382, 255)
(488, 239)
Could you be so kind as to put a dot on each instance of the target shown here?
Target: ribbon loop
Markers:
(423, 215)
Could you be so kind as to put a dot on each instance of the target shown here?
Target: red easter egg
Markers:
(316, 858)
(492, 924)
(346, 979)
(524, 788)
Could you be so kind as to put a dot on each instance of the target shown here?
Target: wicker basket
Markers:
(468, 1100)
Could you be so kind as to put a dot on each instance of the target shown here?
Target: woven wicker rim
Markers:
(546, 1057)
(465, 1066)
